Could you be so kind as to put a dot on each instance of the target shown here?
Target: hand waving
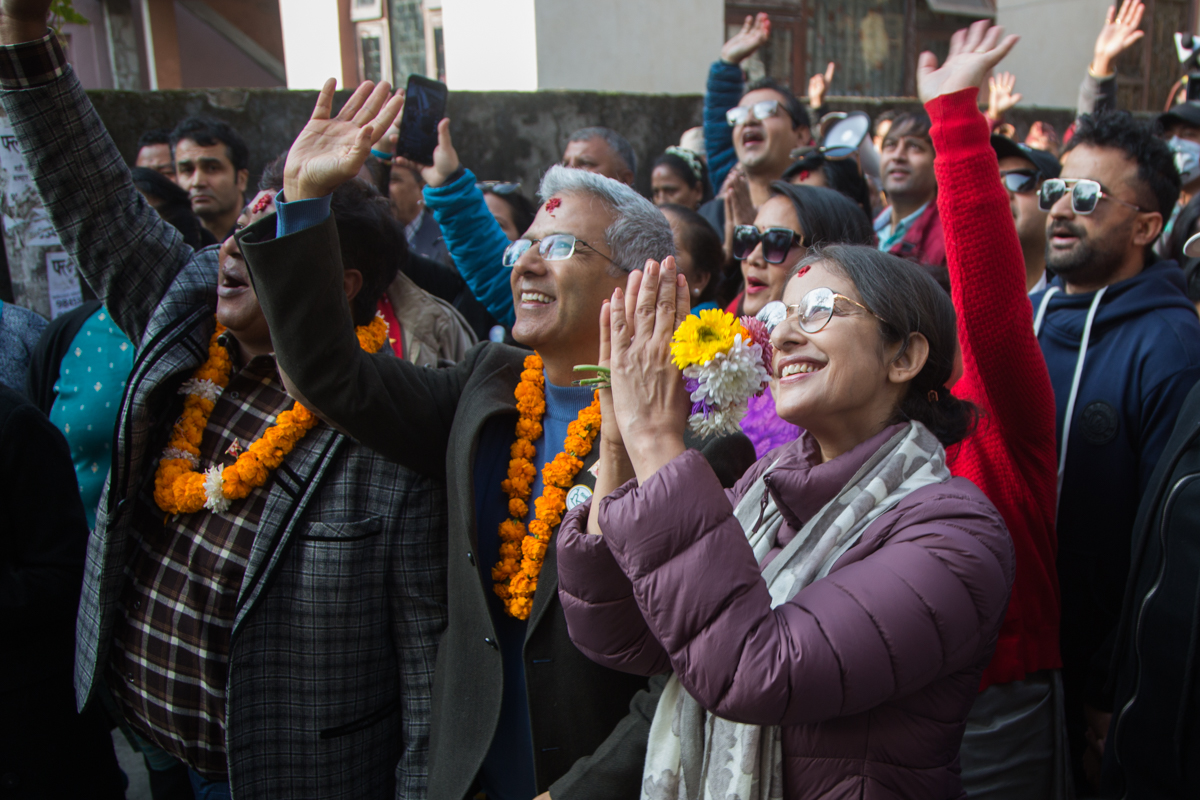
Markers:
(819, 84)
(1001, 96)
(974, 51)
(1119, 33)
(754, 34)
(331, 150)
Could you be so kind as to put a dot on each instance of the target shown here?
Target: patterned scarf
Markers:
(695, 755)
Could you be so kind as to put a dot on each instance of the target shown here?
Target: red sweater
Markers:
(1011, 455)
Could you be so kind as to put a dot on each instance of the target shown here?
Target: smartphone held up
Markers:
(424, 108)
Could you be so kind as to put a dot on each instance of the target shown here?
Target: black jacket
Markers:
(43, 539)
(1153, 745)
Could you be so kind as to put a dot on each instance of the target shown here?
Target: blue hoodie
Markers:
(1142, 359)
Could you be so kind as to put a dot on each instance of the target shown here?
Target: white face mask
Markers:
(1187, 158)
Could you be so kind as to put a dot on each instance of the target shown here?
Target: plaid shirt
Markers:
(343, 596)
(170, 655)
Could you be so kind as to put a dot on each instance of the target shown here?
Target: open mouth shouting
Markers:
(752, 136)
(755, 285)
(232, 280)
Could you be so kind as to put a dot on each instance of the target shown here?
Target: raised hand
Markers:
(1001, 96)
(754, 34)
(23, 20)
(974, 51)
(445, 158)
(649, 400)
(331, 150)
(1119, 33)
(819, 84)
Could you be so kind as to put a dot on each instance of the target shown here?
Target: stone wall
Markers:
(499, 135)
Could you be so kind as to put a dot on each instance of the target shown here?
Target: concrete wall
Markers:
(1057, 37)
(630, 46)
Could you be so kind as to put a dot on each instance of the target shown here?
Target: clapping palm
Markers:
(974, 51)
(332, 149)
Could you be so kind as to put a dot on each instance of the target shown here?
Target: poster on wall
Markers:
(62, 280)
(33, 248)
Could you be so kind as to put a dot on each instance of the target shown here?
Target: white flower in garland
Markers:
(201, 388)
(214, 490)
(719, 421)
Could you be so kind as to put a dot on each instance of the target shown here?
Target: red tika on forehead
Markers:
(800, 273)
(262, 205)
(553, 203)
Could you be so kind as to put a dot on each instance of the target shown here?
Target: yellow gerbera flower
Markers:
(701, 337)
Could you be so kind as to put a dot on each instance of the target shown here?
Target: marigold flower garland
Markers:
(522, 551)
(179, 488)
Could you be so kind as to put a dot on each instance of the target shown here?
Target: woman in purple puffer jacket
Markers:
(827, 620)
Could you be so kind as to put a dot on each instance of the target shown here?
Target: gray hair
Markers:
(639, 232)
(619, 144)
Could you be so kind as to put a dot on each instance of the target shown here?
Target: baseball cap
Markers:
(1186, 113)
(1045, 162)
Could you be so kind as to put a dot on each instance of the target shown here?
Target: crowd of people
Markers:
(310, 500)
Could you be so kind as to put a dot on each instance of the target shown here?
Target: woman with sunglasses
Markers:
(795, 218)
(827, 619)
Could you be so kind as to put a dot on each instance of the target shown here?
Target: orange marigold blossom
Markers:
(522, 553)
(180, 489)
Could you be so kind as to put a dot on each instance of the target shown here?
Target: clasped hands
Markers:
(645, 411)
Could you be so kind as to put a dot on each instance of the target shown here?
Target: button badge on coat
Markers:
(578, 494)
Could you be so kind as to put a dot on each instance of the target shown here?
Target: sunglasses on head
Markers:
(762, 110)
(1085, 194)
(498, 187)
(816, 308)
(555, 247)
(776, 242)
(1020, 181)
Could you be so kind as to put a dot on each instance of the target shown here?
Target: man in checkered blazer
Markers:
(284, 646)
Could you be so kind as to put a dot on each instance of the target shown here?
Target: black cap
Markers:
(1045, 162)
(1186, 113)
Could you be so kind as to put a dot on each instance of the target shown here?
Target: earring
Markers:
(696, 292)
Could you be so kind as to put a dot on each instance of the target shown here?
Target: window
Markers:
(365, 9)
(373, 51)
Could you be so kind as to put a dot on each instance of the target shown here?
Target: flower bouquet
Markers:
(725, 361)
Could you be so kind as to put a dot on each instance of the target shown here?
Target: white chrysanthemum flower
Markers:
(214, 490)
(175, 452)
(719, 422)
(201, 388)
(730, 377)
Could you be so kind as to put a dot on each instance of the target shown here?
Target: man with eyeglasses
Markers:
(1122, 344)
(1022, 170)
(517, 709)
(754, 127)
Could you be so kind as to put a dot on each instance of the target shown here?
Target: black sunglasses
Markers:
(1020, 181)
(776, 242)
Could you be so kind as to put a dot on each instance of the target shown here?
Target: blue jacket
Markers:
(476, 242)
(723, 92)
(1142, 358)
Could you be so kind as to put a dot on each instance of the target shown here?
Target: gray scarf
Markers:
(695, 755)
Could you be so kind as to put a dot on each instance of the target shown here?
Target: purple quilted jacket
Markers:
(871, 670)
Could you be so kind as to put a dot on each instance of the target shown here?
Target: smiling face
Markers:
(764, 147)
(558, 302)
(237, 305)
(839, 383)
(763, 281)
(906, 166)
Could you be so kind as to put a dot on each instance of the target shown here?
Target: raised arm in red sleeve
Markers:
(1011, 455)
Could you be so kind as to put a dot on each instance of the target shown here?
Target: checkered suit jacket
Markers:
(344, 597)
